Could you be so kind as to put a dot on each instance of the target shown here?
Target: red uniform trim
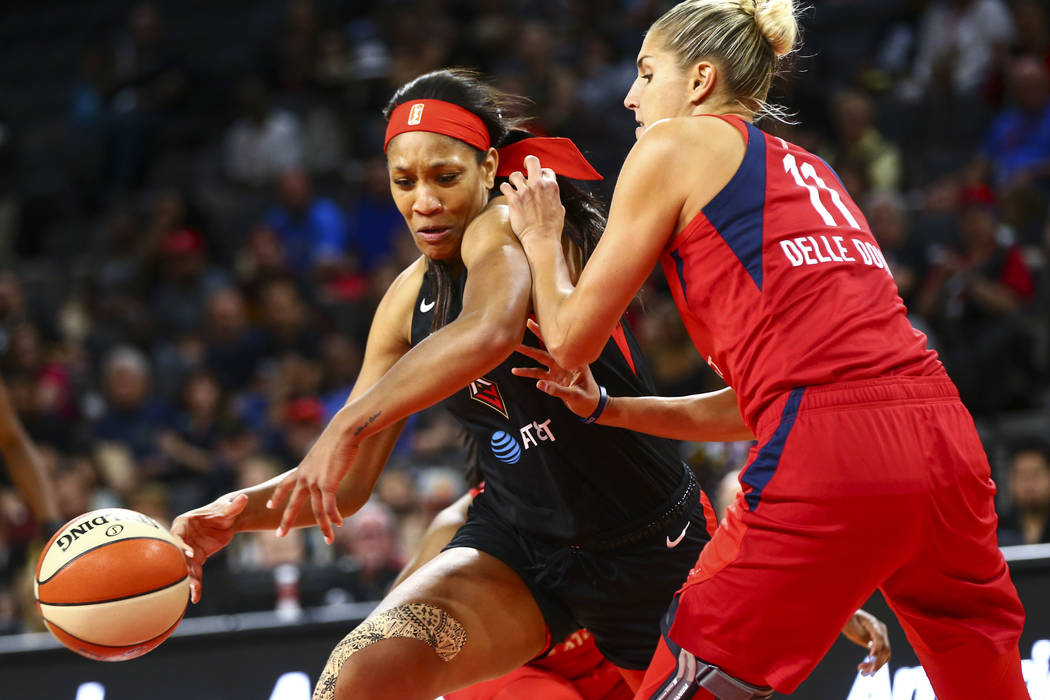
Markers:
(621, 342)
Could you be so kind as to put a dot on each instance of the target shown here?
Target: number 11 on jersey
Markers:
(808, 172)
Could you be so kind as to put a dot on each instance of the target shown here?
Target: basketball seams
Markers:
(91, 549)
(147, 645)
(114, 600)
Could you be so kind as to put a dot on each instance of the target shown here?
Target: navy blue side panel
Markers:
(758, 474)
(737, 211)
(679, 265)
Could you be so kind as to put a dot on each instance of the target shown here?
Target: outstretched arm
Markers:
(669, 175)
(710, 417)
(23, 463)
(869, 632)
(490, 326)
(205, 530)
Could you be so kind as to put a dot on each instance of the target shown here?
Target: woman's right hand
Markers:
(204, 531)
(576, 388)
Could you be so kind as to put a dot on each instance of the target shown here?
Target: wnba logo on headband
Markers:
(416, 114)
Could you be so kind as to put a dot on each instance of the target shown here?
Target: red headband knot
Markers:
(440, 117)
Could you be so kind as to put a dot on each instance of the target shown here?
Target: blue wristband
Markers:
(603, 398)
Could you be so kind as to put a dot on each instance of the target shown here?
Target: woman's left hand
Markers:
(535, 201)
(576, 388)
(317, 477)
(868, 631)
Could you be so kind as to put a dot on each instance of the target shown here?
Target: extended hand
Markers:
(576, 388)
(204, 531)
(317, 477)
(535, 202)
(868, 631)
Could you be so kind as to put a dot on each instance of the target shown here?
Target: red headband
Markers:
(440, 117)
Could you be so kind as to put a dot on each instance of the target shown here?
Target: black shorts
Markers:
(619, 590)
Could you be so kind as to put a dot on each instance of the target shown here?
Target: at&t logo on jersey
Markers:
(505, 448)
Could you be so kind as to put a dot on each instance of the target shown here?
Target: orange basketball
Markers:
(112, 584)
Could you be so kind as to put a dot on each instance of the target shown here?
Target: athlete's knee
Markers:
(693, 676)
(421, 621)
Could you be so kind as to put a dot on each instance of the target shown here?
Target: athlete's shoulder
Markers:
(494, 220)
(489, 232)
(402, 292)
(700, 131)
(691, 143)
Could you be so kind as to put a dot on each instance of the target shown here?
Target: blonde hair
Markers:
(745, 37)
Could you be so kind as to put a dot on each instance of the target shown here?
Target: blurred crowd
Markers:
(195, 228)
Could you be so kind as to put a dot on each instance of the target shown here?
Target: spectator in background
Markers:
(24, 466)
(191, 442)
(1033, 35)
(261, 260)
(292, 62)
(374, 223)
(1015, 157)
(342, 362)
(861, 145)
(52, 389)
(677, 368)
(311, 229)
(233, 348)
(728, 488)
(972, 297)
(186, 281)
(300, 425)
(286, 321)
(12, 306)
(536, 71)
(889, 222)
(960, 41)
(1029, 520)
(152, 85)
(118, 267)
(368, 540)
(265, 141)
(126, 432)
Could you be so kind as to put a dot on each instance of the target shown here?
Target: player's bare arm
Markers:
(490, 326)
(205, 530)
(658, 188)
(23, 462)
(713, 416)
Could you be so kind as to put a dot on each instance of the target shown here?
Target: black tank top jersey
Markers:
(547, 472)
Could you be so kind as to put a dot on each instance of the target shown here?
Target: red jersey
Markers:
(781, 284)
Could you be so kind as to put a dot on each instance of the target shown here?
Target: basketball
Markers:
(112, 584)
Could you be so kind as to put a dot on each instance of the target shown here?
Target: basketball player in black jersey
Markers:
(578, 525)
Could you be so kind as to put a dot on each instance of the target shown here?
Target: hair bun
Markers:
(776, 20)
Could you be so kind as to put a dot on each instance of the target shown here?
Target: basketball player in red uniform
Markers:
(866, 460)
(575, 669)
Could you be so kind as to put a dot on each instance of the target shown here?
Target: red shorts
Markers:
(574, 670)
(854, 487)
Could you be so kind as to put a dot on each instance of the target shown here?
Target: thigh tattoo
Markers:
(427, 623)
